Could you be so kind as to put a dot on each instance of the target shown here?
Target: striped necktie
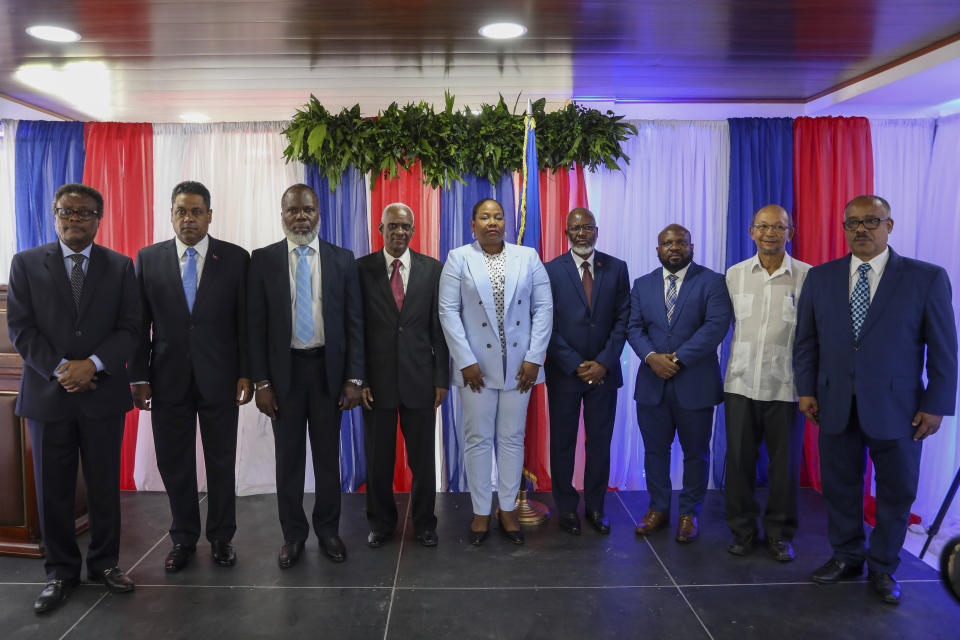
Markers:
(671, 297)
(860, 300)
(304, 297)
(76, 278)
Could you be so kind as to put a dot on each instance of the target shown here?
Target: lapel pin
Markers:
(215, 256)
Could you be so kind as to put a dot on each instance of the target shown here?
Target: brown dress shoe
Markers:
(653, 521)
(687, 529)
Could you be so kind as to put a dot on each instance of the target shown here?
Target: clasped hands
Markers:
(926, 424)
(77, 375)
(591, 372)
(526, 378)
(665, 365)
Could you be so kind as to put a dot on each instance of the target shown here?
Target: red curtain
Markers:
(833, 163)
(119, 164)
(424, 200)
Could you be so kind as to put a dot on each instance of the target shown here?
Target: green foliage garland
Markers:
(449, 144)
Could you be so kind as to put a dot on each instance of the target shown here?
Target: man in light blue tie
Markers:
(865, 325)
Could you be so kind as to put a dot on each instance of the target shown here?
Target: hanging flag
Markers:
(528, 211)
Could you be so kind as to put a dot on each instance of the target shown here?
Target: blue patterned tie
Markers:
(671, 297)
(860, 300)
(304, 297)
(190, 278)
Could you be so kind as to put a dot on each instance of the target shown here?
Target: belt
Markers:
(316, 352)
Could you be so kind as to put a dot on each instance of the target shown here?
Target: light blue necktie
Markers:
(860, 300)
(671, 297)
(190, 278)
(304, 297)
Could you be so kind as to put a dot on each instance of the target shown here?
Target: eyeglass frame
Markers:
(577, 228)
(870, 224)
(763, 227)
(84, 215)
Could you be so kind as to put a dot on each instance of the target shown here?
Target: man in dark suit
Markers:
(591, 307)
(305, 321)
(192, 362)
(407, 374)
(679, 314)
(864, 324)
(73, 312)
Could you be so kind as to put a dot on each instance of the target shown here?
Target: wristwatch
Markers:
(356, 381)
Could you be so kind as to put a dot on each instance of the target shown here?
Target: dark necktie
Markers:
(588, 283)
(396, 284)
(76, 278)
(860, 299)
(671, 297)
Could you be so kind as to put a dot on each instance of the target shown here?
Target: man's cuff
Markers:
(59, 364)
(133, 384)
(97, 362)
(647, 356)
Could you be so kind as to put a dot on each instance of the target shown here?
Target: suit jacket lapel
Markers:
(281, 268)
(655, 293)
(211, 272)
(599, 271)
(171, 270)
(98, 264)
(383, 283)
(570, 266)
(58, 273)
(414, 279)
(688, 282)
(481, 280)
(888, 284)
(511, 269)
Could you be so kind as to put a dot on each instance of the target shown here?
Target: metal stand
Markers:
(530, 513)
(944, 507)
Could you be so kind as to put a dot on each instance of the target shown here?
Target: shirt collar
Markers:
(578, 260)
(877, 263)
(200, 247)
(314, 244)
(404, 259)
(67, 251)
(680, 274)
(785, 267)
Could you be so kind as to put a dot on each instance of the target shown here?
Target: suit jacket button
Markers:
(488, 346)
(483, 324)
(78, 333)
(514, 344)
(519, 301)
(401, 329)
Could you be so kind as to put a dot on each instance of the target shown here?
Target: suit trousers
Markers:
(599, 412)
(493, 418)
(56, 446)
(750, 423)
(175, 439)
(842, 465)
(380, 446)
(658, 424)
(307, 407)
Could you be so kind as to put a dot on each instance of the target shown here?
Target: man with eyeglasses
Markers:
(591, 303)
(305, 320)
(73, 312)
(760, 401)
(865, 324)
(407, 374)
(192, 363)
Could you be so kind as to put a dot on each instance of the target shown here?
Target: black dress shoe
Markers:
(835, 570)
(570, 522)
(223, 553)
(179, 557)
(427, 538)
(289, 554)
(516, 537)
(54, 594)
(742, 545)
(333, 548)
(886, 586)
(477, 537)
(376, 539)
(598, 521)
(780, 550)
(115, 580)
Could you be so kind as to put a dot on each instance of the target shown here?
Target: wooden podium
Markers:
(19, 521)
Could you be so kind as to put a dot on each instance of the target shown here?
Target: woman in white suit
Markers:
(496, 310)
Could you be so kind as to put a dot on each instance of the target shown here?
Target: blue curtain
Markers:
(343, 222)
(456, 205)
(761, 173)
(48, 155)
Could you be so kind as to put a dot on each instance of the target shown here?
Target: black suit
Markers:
(192, 362)
(407, 359)
(46, 327)
(307, 385)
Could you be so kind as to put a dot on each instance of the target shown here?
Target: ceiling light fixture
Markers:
(502, 30)
(194, 116)
(53, 34)
(84, 85)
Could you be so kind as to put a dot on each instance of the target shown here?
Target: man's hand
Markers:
(266, 400)
(350, 396)
(143, 396)
(75, 375)
(927, 424)
(439, 395)
(527, 376)
(663, 364)
(592, 372)
(809, 407)
(244, 391)
(473, 377)
(367, 398)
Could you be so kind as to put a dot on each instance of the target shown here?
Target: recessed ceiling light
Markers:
(53, 34)
(502, 30)
(195, 117)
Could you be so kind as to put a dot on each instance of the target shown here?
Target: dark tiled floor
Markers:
(556, 585)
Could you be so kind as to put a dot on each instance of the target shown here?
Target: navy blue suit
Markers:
(869, 390)
(581, 332)
(684, 403)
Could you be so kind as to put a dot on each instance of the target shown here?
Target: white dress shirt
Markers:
(313, 261)
(877, 264)
(666, 281)
(404, 266)
(201, 248)
(765, 312)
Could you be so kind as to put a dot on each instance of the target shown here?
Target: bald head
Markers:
(581, 231)
(771, 230)
(674, 247)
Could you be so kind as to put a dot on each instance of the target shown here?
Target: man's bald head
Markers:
(771, 229)
(674, 248)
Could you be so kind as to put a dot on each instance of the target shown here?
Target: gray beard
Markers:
(301, 238)
(583, 252)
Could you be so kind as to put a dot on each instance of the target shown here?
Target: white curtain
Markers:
(679, 172)
(8, 217)
(242, 166)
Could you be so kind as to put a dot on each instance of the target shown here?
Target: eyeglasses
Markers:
(400, 226)
(776, 228)
(589, 228)
(83, 214)
(868, 223)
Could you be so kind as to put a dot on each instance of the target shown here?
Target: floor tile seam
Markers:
(157, 543)
(396, 573)
(809, 583)
(85, 614)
